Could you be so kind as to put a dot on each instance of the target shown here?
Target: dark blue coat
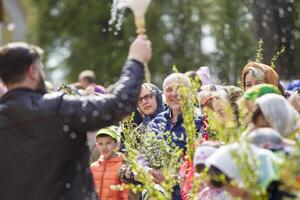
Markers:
(163, 123)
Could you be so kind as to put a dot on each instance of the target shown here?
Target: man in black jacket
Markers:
(43, 151)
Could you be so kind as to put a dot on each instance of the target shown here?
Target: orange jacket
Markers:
(106, 174)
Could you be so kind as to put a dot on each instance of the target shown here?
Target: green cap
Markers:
(260, 90)
(110, 131)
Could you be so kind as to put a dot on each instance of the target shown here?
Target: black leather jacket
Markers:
(43, 150)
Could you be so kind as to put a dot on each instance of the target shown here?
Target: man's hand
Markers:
(140, 49)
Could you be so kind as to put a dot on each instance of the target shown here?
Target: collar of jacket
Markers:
(16, 91)
(116, 158)
(168, 116)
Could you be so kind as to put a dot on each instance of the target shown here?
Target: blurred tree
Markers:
(176, 28)
(81, 27)
(232, 27)
(275, 24)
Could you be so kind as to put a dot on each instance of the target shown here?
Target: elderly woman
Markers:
(274, 111)
(150, 104)
(172, 120)
(256, 73)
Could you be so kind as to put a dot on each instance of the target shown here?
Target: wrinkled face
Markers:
(147, 102)
(171, 95)
(106, 146)
(250, 81)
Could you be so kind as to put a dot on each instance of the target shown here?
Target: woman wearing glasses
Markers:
(150, 104)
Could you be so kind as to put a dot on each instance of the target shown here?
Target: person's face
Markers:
(171, 95)
(261, 122)
(250, 81)
(296, 103)
(147, 102)
(84, 83)
(219, 106)
(106, 146)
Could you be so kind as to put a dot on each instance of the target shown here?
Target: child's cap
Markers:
(202, 153)
(110, 131)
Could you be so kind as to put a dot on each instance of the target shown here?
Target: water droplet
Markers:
(109, 29)
(120, 105)
(104, 30)
(72, 110)
(290, 9)
(181, 16)
(95, 113)
(73, 135)
(83, 119)
(127, 108)
(226, 32)
(264, 24)
(281, 12)
(66, 128)
(107, 116)
(68, 185)
(124, 96)
(83, 108)
(121, 43)
(265, 17)
(275, 36)
(116, 33)
(131, 39)
(283, 40)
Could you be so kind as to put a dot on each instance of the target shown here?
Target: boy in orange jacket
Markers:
(106, 169)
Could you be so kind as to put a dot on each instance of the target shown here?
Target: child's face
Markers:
(106, 146)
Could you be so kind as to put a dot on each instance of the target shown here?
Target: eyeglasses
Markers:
(146, 98)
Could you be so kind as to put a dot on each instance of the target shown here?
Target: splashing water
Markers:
(138, 7)
(117, 14)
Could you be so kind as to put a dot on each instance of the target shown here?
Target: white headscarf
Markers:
(279, 113)
(267, 161)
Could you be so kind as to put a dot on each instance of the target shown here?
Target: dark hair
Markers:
(216, 177)
(15, 59)
(257, 112)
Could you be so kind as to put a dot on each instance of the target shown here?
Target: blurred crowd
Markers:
(262, 114)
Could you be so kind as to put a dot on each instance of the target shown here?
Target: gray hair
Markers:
(179, 77)
(257, 73)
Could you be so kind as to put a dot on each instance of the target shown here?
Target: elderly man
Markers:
(171, 120)
(43, 151)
